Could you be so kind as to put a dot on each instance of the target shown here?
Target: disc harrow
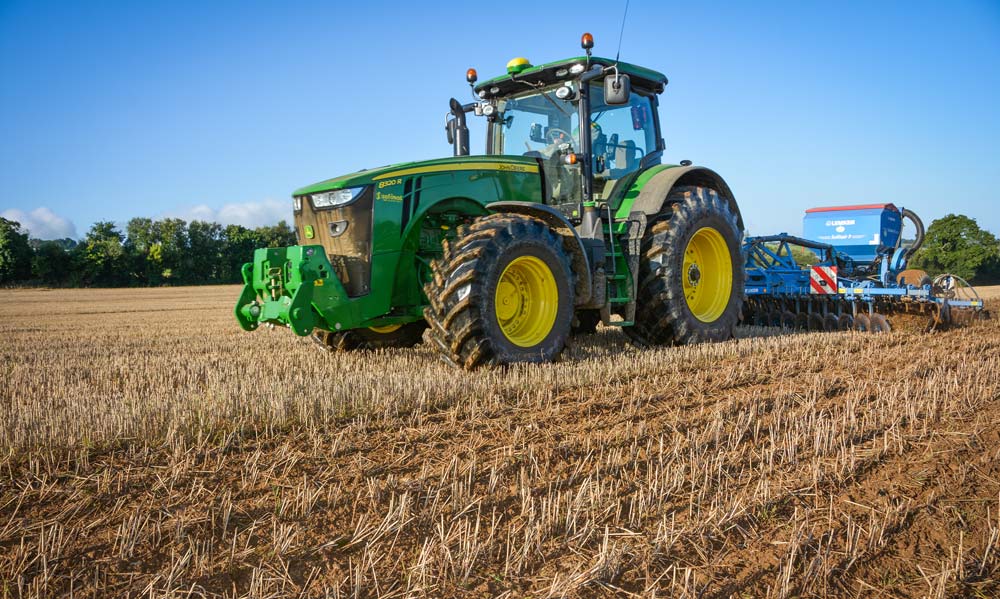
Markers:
(857, 284)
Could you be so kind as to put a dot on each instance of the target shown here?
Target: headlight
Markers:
(565, 93)
(332, 199)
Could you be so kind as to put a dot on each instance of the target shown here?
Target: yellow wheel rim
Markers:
(386, 329)
(707, 274)
(526, 302)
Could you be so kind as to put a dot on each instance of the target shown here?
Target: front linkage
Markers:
(295, 287)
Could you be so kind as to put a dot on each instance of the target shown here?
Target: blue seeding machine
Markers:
(859, 277)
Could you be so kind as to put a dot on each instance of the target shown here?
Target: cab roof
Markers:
(549, 73)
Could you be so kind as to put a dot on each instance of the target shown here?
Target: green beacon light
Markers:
(516, 65)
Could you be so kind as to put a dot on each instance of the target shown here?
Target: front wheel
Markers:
(396, 335)
(690, 272)
(501, 293)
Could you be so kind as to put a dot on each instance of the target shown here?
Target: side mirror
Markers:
(449, 128)
(617, 89)
(536, 134)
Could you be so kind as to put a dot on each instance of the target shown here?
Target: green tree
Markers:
(51, 264)
(172, 236)
(15, 253)
(205, 248)
(140, 239)
(955, 244)
(65, 243)
(280, 235)
(101, 259)
(238, 244)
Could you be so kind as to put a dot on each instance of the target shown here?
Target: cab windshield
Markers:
(540, 125)
(535, 122)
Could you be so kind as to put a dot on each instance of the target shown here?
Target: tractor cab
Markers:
(567, 220)
(536, 111)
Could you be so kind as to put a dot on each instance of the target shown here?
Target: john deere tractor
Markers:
(567, 220)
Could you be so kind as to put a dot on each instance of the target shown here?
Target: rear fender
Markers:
(651, 189)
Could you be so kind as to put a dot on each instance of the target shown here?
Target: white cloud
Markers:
(248, 214)
(42, 223)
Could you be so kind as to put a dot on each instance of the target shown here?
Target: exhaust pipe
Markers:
(458, 131)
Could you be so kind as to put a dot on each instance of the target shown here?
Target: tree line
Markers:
(167, 251)
(171, 251)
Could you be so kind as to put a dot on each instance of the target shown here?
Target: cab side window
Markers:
(622, 136)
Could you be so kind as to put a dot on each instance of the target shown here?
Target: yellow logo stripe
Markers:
(465, 166)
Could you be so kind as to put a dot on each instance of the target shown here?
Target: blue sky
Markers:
(218, 110)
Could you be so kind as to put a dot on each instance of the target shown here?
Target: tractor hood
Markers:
(439, 165)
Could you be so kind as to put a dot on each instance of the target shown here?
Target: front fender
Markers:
(559, 223)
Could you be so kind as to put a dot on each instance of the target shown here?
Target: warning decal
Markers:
(823, 279)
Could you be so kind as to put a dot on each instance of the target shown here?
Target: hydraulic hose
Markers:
(919, 225)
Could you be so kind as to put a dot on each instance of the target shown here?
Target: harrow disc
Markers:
(879, 324)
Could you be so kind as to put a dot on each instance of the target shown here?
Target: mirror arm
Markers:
(594, 72)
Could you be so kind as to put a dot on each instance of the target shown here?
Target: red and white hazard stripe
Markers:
(823, 279)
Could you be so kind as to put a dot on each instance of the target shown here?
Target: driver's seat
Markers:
(625, 159)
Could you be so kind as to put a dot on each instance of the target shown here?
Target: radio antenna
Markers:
(619, 53)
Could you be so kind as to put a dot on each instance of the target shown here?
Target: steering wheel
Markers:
(554, 133)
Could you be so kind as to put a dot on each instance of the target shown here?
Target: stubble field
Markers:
(148, 447)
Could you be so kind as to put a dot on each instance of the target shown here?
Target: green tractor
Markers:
(568, 220)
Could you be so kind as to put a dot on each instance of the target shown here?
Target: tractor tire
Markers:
(690, 272)
(862, 323)
(845, 322)
(879, 324)
(501, 293)
(830, 323)
(801, 321)
(774, 318)
(406, 335)
(815, 322)
(586, 322)
(788, 320)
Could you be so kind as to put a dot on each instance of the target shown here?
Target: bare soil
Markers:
(151, 448)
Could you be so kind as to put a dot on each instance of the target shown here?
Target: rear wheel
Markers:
(788, 319)
(830, 323)
(690, 272)
(862, 324)
(501, 293)
(815, 322)
(845, 322)
(396, 335)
